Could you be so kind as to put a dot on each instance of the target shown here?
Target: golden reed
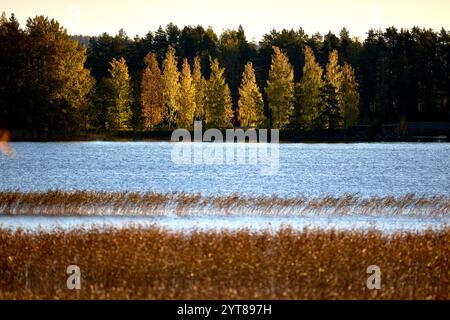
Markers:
(157, 264)
(59, 202)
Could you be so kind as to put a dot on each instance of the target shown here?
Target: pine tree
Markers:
(43, 75)
(280, 89)
(119, 99)
(171, 86)
(186, 98)
(251, 104)
(200, 87)
(151, 93)
(349, 96)
(219, 112)
(310, 91)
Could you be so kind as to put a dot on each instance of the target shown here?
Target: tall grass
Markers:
(156, 264)
(133, 203)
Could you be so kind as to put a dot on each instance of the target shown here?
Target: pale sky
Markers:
(92, 17)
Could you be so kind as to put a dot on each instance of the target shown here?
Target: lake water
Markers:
(387, 224)
(311, 170)
(303, 169)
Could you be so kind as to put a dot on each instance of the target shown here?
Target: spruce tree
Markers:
(311, 85)
(280, 89)
(251, 104)
(219, 112)
(151, 93)
(186, 98)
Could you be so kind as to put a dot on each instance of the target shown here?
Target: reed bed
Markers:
(74, 203)
(156, 264)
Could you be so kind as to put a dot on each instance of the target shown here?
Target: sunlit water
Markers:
(297, 169)
(387, 224)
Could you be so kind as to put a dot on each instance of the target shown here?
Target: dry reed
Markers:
(157, 264)
(59, 202)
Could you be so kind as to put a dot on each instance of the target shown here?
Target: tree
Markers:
(160, 44)
(186, 98)
(349, 96)
(235, 52)
(331, 94)
(14, 112)
(171, 86)
(330, 107)
(251, 104)
(56, 84)
(200, 88)
(291, 42)
(280, 89)
(311, 86)
(333, 73)
(151, 93)
(173, 37)
(219, 112)
(330, 44)
(118, 96)
(103, 49)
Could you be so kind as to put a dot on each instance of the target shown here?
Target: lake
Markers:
(303, 169)
(309, 170)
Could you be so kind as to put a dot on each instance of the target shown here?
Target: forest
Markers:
(51, 81)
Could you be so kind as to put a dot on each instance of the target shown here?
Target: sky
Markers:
(137, 17)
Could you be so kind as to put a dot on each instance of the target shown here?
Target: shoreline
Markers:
(167, 138)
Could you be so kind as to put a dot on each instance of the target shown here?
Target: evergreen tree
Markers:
(103, 49)
(186, 98)
(56, 83)
(160, 44)
(310, 91)
(14, 112)
(200, 88)
(235, 52)
(151, 93)
(330, 116)
(280, 89)
(219, 112)
(171, 86)
(119, 97)
(330, 44)
(251, 104)
(349, 96)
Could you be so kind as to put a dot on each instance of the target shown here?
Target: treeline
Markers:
(50, 81)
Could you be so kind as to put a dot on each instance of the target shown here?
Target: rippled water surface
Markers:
(308, 169)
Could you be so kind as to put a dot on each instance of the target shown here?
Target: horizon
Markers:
(256, 17)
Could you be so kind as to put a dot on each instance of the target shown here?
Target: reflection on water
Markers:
(5, 147)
